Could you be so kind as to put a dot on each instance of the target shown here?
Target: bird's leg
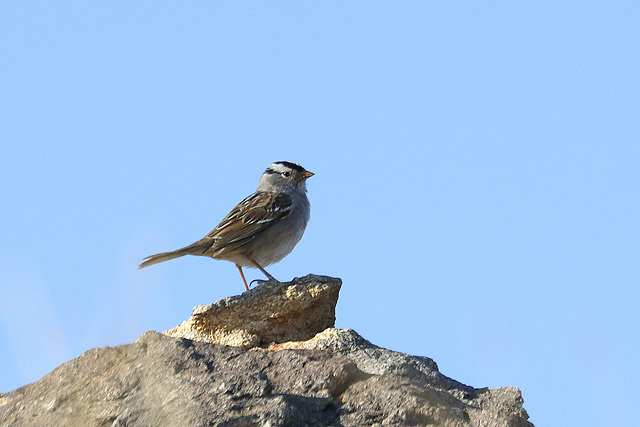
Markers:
(264, 271)
(243, 279)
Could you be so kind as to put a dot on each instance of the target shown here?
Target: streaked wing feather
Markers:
(249, 218)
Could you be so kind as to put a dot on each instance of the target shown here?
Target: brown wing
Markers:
(249, 218)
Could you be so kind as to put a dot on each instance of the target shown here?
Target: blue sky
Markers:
(476, 188)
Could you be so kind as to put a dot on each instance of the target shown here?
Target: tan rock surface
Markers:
(270, 313)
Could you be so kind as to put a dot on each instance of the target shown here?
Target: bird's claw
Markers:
(261, 281)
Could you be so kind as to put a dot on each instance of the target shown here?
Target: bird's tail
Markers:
(197, 248)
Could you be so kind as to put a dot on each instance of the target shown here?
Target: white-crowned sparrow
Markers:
(262, 229)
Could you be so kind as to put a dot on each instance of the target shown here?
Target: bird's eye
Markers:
(286, 174)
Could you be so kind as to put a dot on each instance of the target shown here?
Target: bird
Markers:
(262, 229)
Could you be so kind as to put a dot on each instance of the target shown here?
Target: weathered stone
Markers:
(270, 312)
(298, 377)
(422, 394)
(161, 380)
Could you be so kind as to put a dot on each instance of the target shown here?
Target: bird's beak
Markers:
(306, 174)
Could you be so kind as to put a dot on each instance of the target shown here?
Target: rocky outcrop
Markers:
(310, 375)
(270, 313)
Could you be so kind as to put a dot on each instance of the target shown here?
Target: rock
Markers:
(418, 393)
(272, 312)
(161, 380)
(332, 378)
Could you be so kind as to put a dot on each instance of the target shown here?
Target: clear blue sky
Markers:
(477, 178)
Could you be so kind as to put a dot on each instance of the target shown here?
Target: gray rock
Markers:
(161, 380)
(335, 378)
(442, 401)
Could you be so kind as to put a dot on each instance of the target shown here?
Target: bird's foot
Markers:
(261, 281)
